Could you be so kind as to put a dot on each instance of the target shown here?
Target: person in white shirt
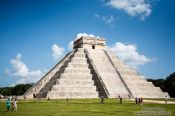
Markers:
(166, 99)
(15, 105)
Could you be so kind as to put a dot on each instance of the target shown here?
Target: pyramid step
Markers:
(78, 65)
(135, 77)
(54, 94)
(139, 83)
(128, 72)
(70, 88)
(79, 55)
(76, 76)
(79, 60)
(71, 81)
(67, 82)
(74, 88)
(115, 95)
(76, 80)
(77, 68)
(132, 78)
(77, 71)
(144, 88)
(73, 62)
(148, 94)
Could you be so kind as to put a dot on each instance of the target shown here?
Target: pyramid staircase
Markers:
(109, 76)
(73, 80)
(137, 85)
(36, 88)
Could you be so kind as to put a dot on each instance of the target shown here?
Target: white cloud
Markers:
(132, 7)
(130, 55)
(70, 46)
(32, 77)
(107, 19)
(79, 35)
(57, 51)
(21, 70)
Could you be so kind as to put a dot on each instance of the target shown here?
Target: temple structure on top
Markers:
(91, 71)
(90, 42)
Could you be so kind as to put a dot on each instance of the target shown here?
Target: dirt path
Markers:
(159, 102)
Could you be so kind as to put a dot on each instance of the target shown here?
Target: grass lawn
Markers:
(160, 99)
(86, 107)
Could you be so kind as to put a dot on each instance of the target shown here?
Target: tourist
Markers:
(24, 97)
(136, 100)
(15, 104)
(129, 97)
(141, 101)
(12, 101)
(102, 99)
(120, 100)
(8, 104)
(166, 99)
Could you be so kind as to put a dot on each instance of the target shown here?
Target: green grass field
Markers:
(86, 107)
(160, 99)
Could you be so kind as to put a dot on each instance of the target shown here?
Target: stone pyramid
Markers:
(91, 71)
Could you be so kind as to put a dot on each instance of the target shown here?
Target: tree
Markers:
(167, 85)
(170, 84)
(19, 89)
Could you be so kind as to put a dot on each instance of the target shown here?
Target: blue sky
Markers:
(35, 32)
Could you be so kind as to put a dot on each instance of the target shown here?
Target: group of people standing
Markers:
(139, 100)
(11, 104)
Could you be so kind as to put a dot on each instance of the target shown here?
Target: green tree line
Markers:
(167, 85)
(16, 90)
